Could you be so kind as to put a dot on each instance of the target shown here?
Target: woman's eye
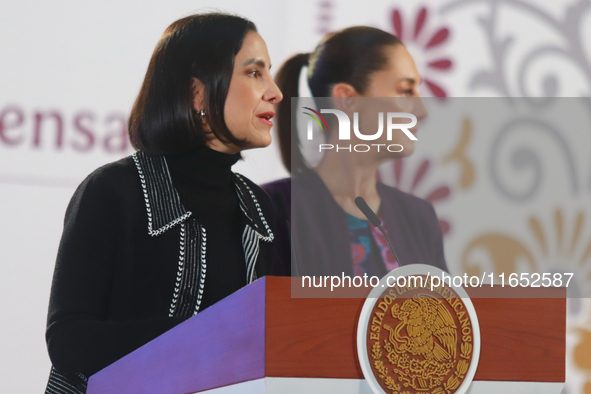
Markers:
(254, 73)
(406, 92)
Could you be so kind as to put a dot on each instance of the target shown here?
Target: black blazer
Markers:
(131, 265)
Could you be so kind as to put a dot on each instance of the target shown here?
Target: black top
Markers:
(120, 255)
(205, 183)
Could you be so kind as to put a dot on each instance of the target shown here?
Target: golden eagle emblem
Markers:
(424, 318)
(421, 343)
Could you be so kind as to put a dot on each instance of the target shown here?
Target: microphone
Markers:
(375, 221)
(284, 216)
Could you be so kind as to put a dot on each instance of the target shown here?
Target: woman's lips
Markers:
(266, 117)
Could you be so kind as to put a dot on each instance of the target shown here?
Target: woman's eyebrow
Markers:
(256, 61)
(412, 81)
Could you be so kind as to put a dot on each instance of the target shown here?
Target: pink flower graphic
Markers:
(423, 45)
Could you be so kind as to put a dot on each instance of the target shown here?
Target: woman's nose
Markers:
(273, 94)
(419, 108)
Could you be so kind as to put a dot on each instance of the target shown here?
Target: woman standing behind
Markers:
(330, 234)
(154, 238)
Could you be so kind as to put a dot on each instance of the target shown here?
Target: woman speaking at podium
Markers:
(154, 238)
(330, 234)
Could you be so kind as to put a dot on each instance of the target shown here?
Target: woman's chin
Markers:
(260, 142)
(264, 140)
(408, 149)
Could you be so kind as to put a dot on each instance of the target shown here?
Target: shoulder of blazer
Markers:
(407, 200)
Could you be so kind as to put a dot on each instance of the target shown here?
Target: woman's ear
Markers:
(344, 90)
(345, 96)
(198, 94)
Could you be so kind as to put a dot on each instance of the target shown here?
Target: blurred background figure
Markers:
(366, 72)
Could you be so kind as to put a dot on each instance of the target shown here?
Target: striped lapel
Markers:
(165, 211)
(163, 204)
(256, 229)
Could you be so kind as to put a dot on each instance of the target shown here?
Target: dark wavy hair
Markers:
(203, 46)
(350, 56)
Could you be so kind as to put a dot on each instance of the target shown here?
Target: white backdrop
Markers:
(77, 66)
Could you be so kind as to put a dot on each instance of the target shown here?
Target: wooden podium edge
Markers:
(522, 339)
